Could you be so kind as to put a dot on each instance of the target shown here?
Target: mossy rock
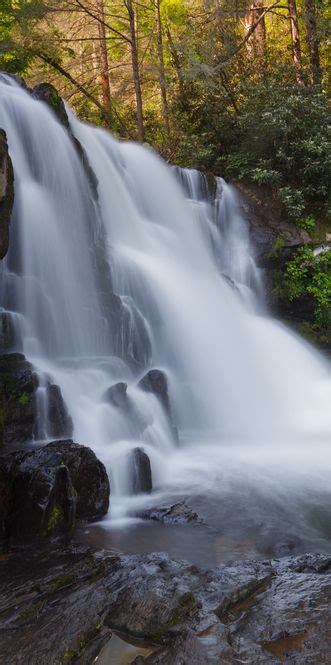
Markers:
(6, 193)
(18, 409)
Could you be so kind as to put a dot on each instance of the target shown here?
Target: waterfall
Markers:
(151, 270)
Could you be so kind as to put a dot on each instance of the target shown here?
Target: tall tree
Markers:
(260, 30)
(135, 69)
(312, 42)
(295, 37)
(162, 77)
(103, 57)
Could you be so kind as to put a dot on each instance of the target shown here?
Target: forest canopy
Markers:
(230, 86)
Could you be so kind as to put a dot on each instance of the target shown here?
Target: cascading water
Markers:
(145, 270)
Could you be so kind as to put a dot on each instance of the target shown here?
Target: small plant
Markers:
(307, 223)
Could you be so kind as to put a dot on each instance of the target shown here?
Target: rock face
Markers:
(6, 193)
(268, 224)
(47, 488)
(46, 92)
(59, 422)
(68, 603)
(10, 339)
(140, 471)
(18, 384)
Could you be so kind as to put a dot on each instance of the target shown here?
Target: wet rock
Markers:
(6, 193)
(155, 381)
(18, 384)
(59, 422)
(88, 476)
(48, 488)
(140, 471)
(46, 92)
(116, 395)
(4, 503)
(245, 611)
(186, 649)
(178, 513)
(10, 339)
(42, 497)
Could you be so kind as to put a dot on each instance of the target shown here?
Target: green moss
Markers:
(27, 614)
(55, 519)
(61, 581)
(84, 640)
(23, 399)
(277, 248)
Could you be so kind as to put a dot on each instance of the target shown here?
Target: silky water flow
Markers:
(124, 264)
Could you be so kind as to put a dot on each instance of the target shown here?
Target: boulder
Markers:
(59, 422)
(6, 193)
(155, 381)
(116, 395)
(89, 478)
(42, 497)
(18, 384)
(140, 471)
(47, 488)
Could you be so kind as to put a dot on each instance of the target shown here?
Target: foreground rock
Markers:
(6, 193)
(47, 488)
(63, 606)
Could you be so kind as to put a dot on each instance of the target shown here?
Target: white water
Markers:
(251, 400)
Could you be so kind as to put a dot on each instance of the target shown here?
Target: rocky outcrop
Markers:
(64, 606)
(18, 384)
(46, 92)
(59, 423)
(272, 234)
(47, 488)
(140, 471)
(6, 193)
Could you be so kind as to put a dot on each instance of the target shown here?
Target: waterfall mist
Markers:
(149, 269)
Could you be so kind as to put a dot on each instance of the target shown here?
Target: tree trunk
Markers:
(312, 42)
(260, 38)
(163, 85)
(248, 22)
(135, 71)
(103, 57)
(296, 48)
